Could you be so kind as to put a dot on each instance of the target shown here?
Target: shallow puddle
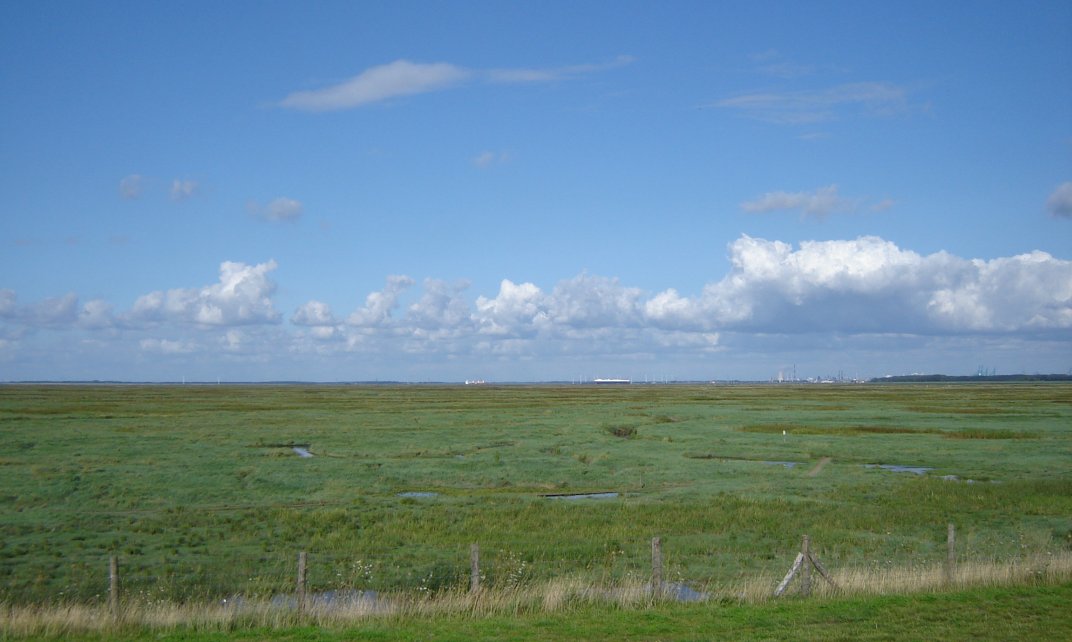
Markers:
(897, 468)
(302, 452)
(416, 494)
(787, 464)
(572, 496)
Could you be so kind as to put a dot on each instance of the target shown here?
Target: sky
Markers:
(534, 191)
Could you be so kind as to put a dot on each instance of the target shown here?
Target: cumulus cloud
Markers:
(130, 187)
(182, 189)
(379, 305)
(870, 285)
(1060, 202)
(56, 312)
(53, 311)
(96, 314)
(593, 301)
(514, 310)
(242, 296)
(824, 294)
(820, 203)
(813, 106)
(1025, 292)
(314, 313)
(405, 78)
(441, 306)
(865, 285)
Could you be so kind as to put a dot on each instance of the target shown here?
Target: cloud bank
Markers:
(863, 291)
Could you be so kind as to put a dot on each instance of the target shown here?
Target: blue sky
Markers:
(534, 190)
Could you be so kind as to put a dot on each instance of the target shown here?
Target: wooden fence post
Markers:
(474, 568)
(803, 565)
(656, 567)
(113, 586)
(300, 589)
(950, 554)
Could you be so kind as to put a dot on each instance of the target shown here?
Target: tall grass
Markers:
(555, 596)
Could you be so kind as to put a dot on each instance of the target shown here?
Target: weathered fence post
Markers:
(474, 568)
(300, 589)
(113, 586)
(802, 564)
(656, 567)
(950, 553)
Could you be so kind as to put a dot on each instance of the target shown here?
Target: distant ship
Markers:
(611, 381)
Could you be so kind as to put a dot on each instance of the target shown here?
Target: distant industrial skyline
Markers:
(533, 191)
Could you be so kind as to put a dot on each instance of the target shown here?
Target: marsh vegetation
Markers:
(200, 493)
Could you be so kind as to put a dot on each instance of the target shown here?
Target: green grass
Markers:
(1020, 612)
(197, 490)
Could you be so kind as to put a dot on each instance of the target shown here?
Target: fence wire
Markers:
(212, 575)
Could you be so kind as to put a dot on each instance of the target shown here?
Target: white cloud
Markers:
(96, 314)
(182, 189)
(550, 74)
(441, 307)
(1029, 291)
(516, 309)
(1060, 202)
(234, 340)
(130, 187)
(487, 158)
(405, 78)
(54, 311)
(376, 84)
(166, 346)
(242, 296)
(871, 285)
(379, 305)
(866, 294)
(880, 99)
(883, 205)
(314, 313)
(594, 301)
(820, 203)
(772, 63)
(279, 209)
(8, 305)
(669, 309)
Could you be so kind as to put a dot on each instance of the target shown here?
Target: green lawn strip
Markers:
(1011, 613)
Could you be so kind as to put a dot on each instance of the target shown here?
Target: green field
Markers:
(199, 493)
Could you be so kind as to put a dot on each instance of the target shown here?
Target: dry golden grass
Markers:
(554, 596)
